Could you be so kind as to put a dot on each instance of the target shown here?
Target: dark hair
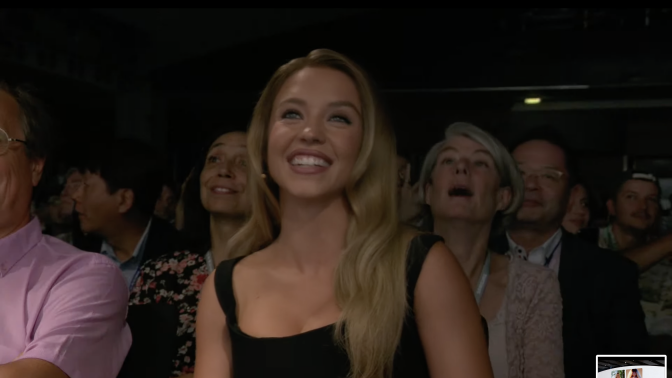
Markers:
(551, 135)
(35, 122)
(129, 164)
(633, 175)
(196, 231)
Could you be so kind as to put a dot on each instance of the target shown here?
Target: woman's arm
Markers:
(542, 343)
(213, 345)
(448, 318)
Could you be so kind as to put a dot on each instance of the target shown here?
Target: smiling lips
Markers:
(222, 190)
(308, 161)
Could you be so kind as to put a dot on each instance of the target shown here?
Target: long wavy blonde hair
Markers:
(370, 280)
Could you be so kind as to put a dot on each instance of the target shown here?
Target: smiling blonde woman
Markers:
(327, 283)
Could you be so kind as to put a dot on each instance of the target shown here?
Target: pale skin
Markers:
(465, 222)
(18, 175)
(223, 181)
(287, 288)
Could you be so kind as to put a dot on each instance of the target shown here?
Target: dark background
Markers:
(172, 76)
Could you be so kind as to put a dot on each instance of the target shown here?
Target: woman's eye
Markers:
(341, 119)
(291, 114)
(446, 161)
(213, 159)
(481, 164)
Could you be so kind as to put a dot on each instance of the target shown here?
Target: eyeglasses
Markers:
(545, 175)
(5, 140)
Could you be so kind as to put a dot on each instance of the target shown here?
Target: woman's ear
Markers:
(503, 198)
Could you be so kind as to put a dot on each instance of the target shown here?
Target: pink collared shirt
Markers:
(61, 305)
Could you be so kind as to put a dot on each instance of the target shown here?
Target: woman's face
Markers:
(465, 183)
(224, 176)
(315, 133)
(578, 213)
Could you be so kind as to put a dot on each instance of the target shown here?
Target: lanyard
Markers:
(484, 278)
(131, 285)
(209, 262)
(547, 262)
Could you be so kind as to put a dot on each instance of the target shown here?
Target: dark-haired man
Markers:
(62, 311)
(122, 182)
(600, 294)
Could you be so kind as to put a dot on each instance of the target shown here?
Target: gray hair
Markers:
(35, 122)
(506, 167)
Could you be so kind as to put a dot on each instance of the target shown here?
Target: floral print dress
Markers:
(175, 279)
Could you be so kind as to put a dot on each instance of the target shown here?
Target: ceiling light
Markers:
(532, 100)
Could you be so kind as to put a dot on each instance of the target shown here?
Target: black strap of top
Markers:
(224, 286)
(417, 253)
(418, 250)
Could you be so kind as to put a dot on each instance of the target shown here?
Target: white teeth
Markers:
(305, 160)
(222, 190)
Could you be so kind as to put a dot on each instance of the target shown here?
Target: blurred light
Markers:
(532, 101)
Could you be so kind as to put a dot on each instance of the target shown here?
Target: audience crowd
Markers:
(296, 247)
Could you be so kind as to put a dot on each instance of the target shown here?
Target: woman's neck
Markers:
(313, 233)
(221, 230)
(469, 243)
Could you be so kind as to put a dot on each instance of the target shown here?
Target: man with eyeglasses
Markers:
(62, 311)
(599, 289)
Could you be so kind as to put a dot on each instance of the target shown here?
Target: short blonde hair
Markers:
(506, 166)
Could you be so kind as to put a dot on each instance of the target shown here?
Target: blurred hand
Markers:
(410, 205)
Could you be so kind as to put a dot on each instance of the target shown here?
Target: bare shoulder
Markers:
(254, 263)
(440, 270)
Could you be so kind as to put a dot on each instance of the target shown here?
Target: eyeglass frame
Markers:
(537, 172)
(11, 140)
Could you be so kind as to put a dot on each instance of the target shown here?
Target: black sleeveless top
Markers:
(314, 354)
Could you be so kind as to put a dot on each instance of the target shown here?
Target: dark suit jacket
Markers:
(162, 238)
(600, 299)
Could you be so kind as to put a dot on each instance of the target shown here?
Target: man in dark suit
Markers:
(601, 309)
(115, 205)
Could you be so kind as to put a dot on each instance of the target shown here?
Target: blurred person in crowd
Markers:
(180, 205)
(410, 206)
(470, 181)
(165, 205)
(122, 181)
(634, 210)
(73, 180)
(63, 311)
(598, 311)
(325, 281)
(221, 208)
(577, 217)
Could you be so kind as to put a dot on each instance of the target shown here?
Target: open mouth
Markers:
(460, 191)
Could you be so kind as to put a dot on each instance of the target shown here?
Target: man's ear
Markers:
(126, 199)
(36, 170)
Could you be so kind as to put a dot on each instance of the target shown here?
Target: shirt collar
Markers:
(548, 247)
(13, 247)
(107, 250)
(607, 239)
